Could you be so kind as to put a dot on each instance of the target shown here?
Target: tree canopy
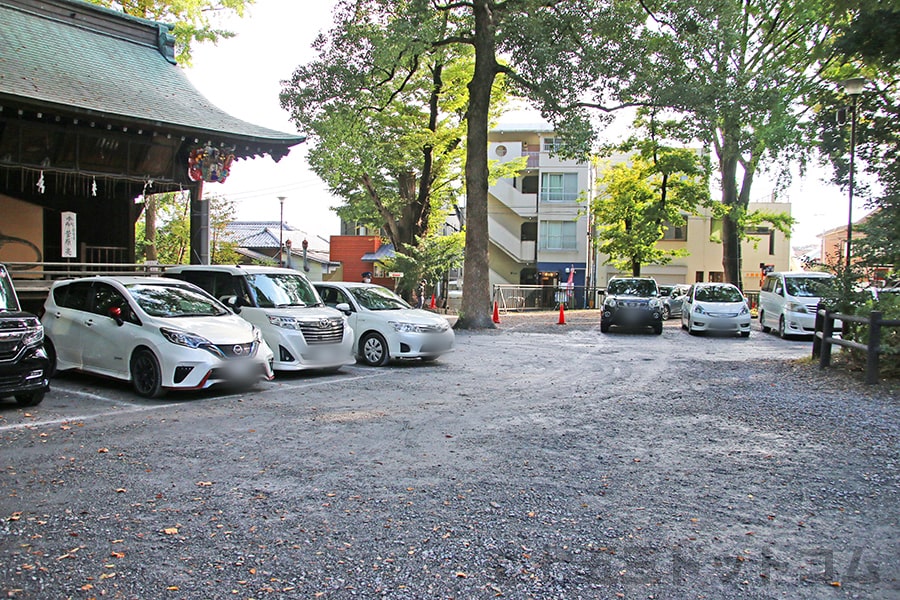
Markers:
(190, 17)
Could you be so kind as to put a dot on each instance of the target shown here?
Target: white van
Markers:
(788, 301)
(298, 327)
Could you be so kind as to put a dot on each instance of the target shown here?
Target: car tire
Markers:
(373, 350)
(604, 327)
(657, 328)
(690, 327)
(666, 313)
(30, 399)
(146, 376)
(781, 331)
(762, 323)
(745, 334)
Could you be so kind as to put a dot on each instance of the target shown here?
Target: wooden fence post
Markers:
(817, 342)
(827, 332)
(874, 349)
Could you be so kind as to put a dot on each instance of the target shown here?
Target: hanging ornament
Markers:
(94, 187)
(209, 164)
(40, 183)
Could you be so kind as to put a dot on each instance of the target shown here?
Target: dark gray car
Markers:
(673, 301)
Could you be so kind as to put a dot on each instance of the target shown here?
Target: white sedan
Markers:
(385, 326)
(157, 333)
(715, 307)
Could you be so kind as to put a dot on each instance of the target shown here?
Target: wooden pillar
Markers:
(199, 226)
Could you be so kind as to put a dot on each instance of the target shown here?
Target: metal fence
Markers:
(518, 298)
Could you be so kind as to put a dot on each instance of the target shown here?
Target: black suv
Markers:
(24, 368)
(632, 302)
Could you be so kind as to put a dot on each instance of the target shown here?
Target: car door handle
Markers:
(89, 322)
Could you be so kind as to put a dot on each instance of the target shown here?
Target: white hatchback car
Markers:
(385, 326)
(715, 307)
(156, 332)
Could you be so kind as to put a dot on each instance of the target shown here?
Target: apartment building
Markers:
(701, 237)
(538, 220)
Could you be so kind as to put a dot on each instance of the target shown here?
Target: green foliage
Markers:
(431, 260)
(869, 48)
(173, 230)
(637, 201)
(190, 17)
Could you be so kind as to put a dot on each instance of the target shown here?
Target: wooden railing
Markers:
(35, 278)
(825, 338)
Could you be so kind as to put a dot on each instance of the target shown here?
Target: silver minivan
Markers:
(788, 301)
(302, 332)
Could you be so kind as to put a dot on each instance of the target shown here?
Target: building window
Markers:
(528, 231)
(553, 144)
(559, 187)
(530, 184)
(676, 232)
(717, 276)
(558, 235)
(698, 276)
(715, 230)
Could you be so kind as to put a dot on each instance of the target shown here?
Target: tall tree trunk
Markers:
(150, 253)
(731, 233)
(476, 301)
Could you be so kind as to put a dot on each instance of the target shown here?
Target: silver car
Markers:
(673, 301)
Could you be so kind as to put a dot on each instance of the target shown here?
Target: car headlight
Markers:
(257, 334)
(405, 327)
(183, 338)
(699, 309)
(611, 302)
(654, 302)
(34, 334)
(795, 307)
(284, 322)
(744, 310)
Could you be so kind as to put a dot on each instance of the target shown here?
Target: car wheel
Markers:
(657, 328)
(762, 323)
(666, 313)
(374, 350)
(32, 399)
(781, 332)
(690, 327)
(604, 327)
(146, 376)
(745, 334)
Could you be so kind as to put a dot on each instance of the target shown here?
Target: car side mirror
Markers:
(116, 313)
(343, 307)
(234, 303)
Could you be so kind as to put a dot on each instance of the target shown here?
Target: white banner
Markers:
(69, 235)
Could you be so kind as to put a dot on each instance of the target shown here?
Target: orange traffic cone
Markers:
(562, 314)
(496, 313)
(432, 305)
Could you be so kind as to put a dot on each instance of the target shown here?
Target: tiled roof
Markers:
(79, 58)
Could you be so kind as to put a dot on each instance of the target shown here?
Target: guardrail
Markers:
(824, 338)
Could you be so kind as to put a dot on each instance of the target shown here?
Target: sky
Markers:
(243, 76)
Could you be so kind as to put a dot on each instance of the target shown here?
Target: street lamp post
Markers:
(281, 233)
(853, 88)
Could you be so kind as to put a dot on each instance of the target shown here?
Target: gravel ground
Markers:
(537, 461)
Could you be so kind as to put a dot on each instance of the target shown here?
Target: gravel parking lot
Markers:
(537, 461)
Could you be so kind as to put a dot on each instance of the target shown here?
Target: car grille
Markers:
(10, 345)
(633, 304)
(723, 315)
(237, 350)
(323, 331)
(433, 328)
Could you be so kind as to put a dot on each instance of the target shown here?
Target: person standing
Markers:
(420, 294)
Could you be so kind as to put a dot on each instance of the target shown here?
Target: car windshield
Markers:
(719, 293)
(174, 301)
(378, 298)
(632, 287)
(808, 287)
(276, 290)
(7, 296)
